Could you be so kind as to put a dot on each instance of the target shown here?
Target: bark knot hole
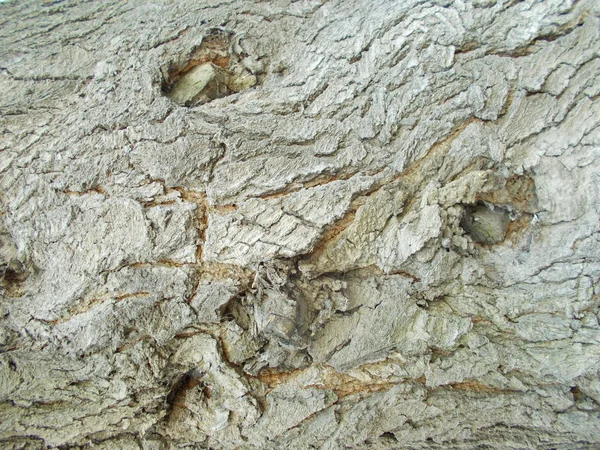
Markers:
(212, 70)
(12, 270)
(486, 223)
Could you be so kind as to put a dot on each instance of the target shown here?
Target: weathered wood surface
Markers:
(289, 225)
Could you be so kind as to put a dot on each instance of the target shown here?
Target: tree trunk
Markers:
(310, 224)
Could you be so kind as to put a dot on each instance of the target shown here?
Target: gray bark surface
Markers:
(292, 225)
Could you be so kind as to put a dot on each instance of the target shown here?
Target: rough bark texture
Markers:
(289, 225)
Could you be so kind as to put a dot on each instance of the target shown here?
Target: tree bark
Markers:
(310, 224)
